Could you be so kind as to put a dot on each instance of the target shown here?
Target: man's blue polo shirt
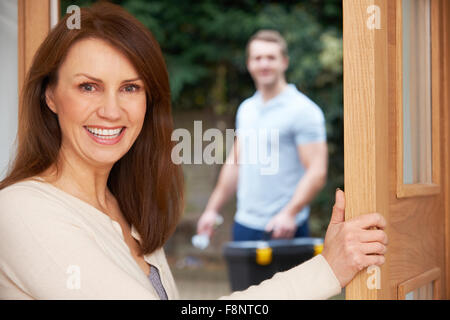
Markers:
(269, 165)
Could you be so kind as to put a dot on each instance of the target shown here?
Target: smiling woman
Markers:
(97, 117)
(92, 111)
(111, 46)
(93, 195)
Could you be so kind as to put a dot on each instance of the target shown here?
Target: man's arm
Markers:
(314, 157)
(224, 190)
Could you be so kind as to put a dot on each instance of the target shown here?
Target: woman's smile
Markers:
(105, 136)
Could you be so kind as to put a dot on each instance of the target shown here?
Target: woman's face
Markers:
(100, 103)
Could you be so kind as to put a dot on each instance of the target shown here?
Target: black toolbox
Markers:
(250, 262)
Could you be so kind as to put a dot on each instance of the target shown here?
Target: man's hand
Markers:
(283, 225)
(206, 223)
(353, 245)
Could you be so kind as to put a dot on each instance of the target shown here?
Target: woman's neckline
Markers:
(148, 258)
(68, 195)
(40, 180)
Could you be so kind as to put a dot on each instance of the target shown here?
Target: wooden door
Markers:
(396, 140)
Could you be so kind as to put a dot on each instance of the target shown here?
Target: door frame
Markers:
(33, 27)
(35, 19)
(369, 102)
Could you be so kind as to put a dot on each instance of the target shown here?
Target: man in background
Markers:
(276, 201)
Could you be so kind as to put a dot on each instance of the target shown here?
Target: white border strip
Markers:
(54, 13)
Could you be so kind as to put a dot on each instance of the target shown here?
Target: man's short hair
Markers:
(270, 36)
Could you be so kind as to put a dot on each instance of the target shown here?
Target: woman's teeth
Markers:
(105, 133)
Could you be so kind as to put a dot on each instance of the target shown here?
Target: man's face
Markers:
(266, 63)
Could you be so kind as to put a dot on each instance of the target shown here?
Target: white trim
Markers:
(54, 13)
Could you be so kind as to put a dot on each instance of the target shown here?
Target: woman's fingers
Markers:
(373, 236)
(352, 245)
(338, 213)
(370, 220)
(370, 260)
(373, 248)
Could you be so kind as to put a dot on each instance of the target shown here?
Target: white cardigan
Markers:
(56, 246)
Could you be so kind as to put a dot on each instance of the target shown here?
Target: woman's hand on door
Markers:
(353, 245)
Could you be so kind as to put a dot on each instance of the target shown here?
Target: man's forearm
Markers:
(225, 188)
(307, 188)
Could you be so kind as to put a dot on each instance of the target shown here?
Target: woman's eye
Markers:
(88, 87)
(132, 88)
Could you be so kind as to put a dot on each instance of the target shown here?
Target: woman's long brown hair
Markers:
(146, 183)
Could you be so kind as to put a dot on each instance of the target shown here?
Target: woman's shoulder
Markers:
(24, 191)
(31, 195)
(33, 206)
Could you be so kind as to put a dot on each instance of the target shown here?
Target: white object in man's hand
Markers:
(353, 245)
